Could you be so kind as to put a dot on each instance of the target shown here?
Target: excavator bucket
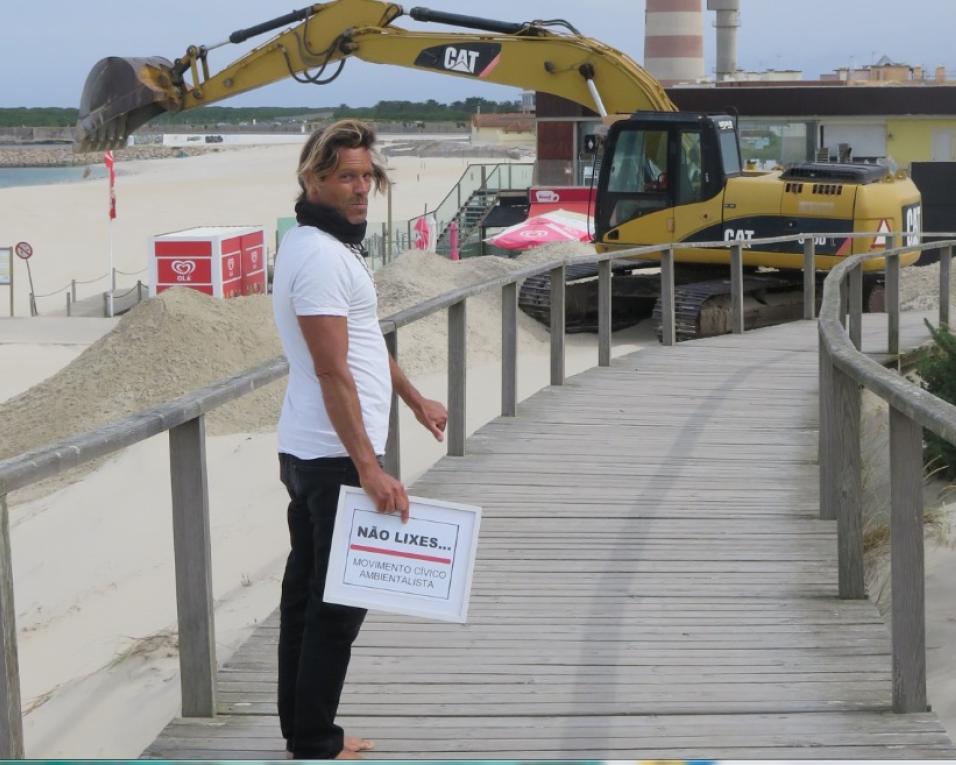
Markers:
(120, 95)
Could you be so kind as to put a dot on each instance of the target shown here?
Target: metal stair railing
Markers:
(476, 178)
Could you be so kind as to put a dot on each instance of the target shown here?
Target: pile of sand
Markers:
(162, 349)
(919, 288)
(183, 340)
(416, 276)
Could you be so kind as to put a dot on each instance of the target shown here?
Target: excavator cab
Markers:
(657, 163)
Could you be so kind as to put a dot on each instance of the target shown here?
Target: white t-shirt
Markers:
(317, 275)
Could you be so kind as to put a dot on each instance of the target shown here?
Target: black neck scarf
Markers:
(330, 221)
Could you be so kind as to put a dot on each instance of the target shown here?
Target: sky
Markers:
(48, 47)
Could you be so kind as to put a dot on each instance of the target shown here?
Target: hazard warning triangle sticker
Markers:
(879, 242)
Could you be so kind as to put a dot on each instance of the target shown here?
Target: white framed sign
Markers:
(420, 568)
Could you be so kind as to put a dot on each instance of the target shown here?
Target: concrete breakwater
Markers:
(63, 156)
(31, 135)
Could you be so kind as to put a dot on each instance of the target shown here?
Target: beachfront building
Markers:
(505, 128)
(779, 123)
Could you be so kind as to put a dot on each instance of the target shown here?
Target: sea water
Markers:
(39, 176)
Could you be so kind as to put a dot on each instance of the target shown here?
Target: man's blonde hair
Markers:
(320, 155)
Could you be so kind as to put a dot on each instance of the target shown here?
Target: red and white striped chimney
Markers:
(674, 40)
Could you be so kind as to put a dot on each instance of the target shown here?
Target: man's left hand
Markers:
(434, 416)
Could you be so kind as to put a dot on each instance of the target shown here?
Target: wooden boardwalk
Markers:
(653, 581)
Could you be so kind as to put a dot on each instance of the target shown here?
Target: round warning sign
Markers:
(23, 250)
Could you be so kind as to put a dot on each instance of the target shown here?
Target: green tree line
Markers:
(428, 111)
(212, 116)
(38, 117)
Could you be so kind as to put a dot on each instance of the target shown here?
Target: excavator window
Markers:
(730, 152)
(637, 179)
(690, 171)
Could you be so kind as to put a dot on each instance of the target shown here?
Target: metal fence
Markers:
(122, 300)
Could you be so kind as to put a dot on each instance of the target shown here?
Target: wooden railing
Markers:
(843, 370)
(184, 420)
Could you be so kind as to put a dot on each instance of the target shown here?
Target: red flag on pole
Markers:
(108, 160)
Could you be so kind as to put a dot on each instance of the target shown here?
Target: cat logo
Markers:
(461, 60)
(474, 60)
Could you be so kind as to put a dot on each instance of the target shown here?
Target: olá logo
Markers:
(183, 269)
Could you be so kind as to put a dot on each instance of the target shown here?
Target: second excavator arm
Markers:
(123, 93)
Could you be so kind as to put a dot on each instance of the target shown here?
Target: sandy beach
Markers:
(99, 641)
(69, 230)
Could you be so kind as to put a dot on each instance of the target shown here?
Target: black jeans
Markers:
(315, 638)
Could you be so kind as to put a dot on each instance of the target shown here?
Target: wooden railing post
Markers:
(945, 271)
(737, 289)
(893, 299)
(856, 306)
(457, 364)
(11, 718)
(809, 279)
(191, 546)
(668, 329)
(509, 350)
(906, 562)
(393, 446)
(827, 436)
(604, 313)
(848, 475)
(557, 325)
(844, 299)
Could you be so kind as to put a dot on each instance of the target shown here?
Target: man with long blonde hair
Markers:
(334, 421)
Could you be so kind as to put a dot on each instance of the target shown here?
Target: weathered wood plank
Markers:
(393, 445)
(509, 350)
(557, 325)
(11, 722)
(809, 279)
(192, 549)
(668, 324)
(457, 366)
(604, 314)
(906, 553)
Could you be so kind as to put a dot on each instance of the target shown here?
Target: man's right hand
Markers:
(387, 493)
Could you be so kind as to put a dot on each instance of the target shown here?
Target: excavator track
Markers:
(534, 298)
(702, 305)
(688, 300)
(769, 299)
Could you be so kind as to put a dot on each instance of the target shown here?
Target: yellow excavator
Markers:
(665, 175)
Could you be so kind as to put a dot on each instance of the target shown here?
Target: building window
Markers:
(769, 143)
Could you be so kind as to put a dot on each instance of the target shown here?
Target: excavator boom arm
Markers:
(122, 94)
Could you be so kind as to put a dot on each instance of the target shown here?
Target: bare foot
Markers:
(356, 744)
(346, 754)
